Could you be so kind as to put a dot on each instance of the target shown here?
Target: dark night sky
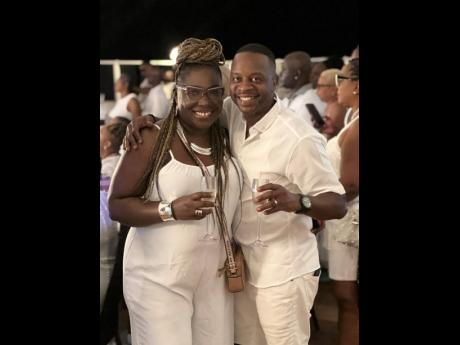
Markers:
(150, 28)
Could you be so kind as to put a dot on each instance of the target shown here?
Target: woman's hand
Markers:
(193, 206)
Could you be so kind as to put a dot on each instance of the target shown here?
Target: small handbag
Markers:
(235, 274)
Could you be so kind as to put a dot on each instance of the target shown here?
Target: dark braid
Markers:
(192, 52)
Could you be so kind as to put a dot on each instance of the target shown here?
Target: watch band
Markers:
(302, 206)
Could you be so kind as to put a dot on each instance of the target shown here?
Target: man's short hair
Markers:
(258, 48)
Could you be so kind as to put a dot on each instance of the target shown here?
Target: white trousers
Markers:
(278, 315)
(183, 302)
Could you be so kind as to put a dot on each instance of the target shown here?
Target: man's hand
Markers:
(276, 198)
(133, 134)
(328, 205)
(315, 123)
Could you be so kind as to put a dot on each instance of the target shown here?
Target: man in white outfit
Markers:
(156, 102)
(295, 76)
(269, 141)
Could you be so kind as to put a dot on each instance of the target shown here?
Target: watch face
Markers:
(306, 202)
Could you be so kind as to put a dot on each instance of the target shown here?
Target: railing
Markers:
(116, 63)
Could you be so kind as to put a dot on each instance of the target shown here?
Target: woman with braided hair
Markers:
(171, 283)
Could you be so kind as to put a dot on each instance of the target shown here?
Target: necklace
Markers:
(201, 150)
(206, 151)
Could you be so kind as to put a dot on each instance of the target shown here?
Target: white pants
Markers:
(170, 318)
(278, 315)
(180, 303)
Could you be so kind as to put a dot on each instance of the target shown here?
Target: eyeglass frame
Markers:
(202, 91)
(341, 77)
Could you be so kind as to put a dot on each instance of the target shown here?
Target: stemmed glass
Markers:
(255, 184)
(209, 185)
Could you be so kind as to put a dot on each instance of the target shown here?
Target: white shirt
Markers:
(108, 164)
(312, 97)
(105, 108)
(156, 102)
(121, 107)
(141, 96)
(302, 96)
(292, 153)
(145, 83)
(168, 89)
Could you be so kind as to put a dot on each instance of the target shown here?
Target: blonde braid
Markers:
(207, 51)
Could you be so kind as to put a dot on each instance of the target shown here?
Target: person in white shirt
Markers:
(111, 137)
(269, 140)
(326, 88)
(112, 234)
(326, 91)
(144, 87)
(156, 102)
(343, 151)
(171, 284)
(127, 106)
(333, 122)
(334, 116)
(295, 75)
(316, 70)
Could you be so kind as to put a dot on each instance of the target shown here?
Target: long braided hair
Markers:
(193, 52)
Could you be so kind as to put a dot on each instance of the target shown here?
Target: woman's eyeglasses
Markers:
(340, 78)
(194, 93)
